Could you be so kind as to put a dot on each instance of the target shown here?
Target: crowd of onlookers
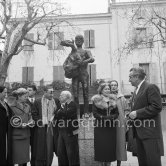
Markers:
(35, 128)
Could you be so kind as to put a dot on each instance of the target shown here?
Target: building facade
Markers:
(119, 40)
(38, 62)
(136, 39)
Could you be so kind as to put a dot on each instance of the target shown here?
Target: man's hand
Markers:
(133, 115)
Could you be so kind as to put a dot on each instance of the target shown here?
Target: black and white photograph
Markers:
(82, 82)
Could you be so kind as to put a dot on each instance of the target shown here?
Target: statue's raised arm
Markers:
(75, 67)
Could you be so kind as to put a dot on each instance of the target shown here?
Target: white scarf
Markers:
(48, 109)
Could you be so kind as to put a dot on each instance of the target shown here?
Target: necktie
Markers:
(134, 96)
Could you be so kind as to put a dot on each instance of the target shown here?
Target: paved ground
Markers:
(132, 161)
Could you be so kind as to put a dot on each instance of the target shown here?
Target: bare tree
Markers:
(147, 26)
(17, 18)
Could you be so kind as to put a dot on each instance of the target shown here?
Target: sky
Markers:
(87, 6)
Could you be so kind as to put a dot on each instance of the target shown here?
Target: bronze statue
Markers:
(76, 66)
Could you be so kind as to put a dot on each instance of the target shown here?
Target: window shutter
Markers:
(153, 73)
(93, 73)
(30, 74)
(30, 45)
(59, 36)
(24, 74)
(27, 74)
(86, 38)
(58, 73)
(145, 66)
(92, 38)
(50, 41)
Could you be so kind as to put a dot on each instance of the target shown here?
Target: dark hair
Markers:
(102, 86)
(79, 37)
(2, 88)
(139, 71)
(33, 87)
(113, 81)
(45, 88)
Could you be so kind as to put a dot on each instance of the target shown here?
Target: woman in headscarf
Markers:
(21, 132)
(123, 108)
(106, 112)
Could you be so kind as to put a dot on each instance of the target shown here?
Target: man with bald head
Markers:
(145, 113)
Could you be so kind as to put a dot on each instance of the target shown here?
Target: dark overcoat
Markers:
(5, 131)
(42, 141)
(148, 107)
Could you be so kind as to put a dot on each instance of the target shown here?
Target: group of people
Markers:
(47, 125)
(138, 123)
(36, 128)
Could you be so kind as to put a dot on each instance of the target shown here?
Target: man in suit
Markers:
(68, 149)
(145, 113)
(46, 135)
(30, 101)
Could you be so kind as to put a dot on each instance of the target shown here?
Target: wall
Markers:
(43, 59)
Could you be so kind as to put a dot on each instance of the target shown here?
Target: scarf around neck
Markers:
(48, 108)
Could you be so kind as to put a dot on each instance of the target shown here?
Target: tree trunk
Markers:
(3, 71)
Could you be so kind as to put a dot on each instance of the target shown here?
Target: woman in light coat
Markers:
(21, 132)
(123, 108)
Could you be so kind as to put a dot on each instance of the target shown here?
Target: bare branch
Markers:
(34, 42)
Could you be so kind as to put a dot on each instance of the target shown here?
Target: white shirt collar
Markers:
(138, 87)
(31, 98)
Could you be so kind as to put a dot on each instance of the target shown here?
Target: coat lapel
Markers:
(139, 92)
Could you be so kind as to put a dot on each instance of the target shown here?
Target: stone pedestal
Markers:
(86, 143)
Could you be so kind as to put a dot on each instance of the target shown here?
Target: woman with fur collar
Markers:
(105, 112)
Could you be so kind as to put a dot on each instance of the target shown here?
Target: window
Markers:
(58, 73)
(54, 40)
(89, 38)
(145, 66)
(29, 46)
(140, 14)
(143, 37)
(27, 74)
(92, 73)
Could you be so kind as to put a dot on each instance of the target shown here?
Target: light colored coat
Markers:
(122, 105)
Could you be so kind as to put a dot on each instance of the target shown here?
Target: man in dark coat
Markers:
(68, 150)
(30, 101)
(46, 135)
(146, 108)
(5, 129)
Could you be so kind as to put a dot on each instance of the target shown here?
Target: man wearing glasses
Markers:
(46, 135)
(145, 113)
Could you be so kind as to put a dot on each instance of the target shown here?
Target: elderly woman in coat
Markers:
(123, 108)
(105, 112)
(21, 131)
